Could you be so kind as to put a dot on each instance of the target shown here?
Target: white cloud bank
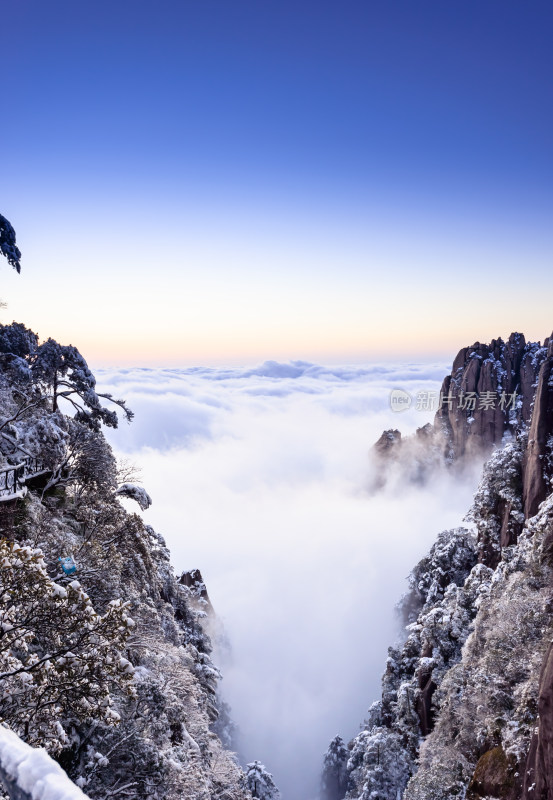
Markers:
(259, 477)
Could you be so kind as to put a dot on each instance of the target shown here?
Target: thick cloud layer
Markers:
(259, 477)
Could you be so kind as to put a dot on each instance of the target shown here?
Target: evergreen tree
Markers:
(260, 782)
(334, 777)
(64, 373)
(17, 340)
(8, 247)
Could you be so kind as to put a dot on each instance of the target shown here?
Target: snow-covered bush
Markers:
(497, 510)
(58, 657)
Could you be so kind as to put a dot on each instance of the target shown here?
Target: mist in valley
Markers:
(261, 479)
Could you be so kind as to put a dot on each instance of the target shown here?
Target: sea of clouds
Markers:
(260, 478)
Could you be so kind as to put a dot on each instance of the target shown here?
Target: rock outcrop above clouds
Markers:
(478, 401)
(467, 699)
(197, 590)
(489, 395)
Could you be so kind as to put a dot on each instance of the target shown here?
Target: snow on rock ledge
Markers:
(28, 772)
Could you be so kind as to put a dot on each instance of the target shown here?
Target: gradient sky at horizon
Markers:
(215, 182)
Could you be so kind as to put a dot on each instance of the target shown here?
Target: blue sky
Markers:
(233, 181)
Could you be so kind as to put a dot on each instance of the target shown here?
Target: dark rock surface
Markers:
(493, 389)
(195, 583)
(427, 687)
(538, 776)
(390, 440)
(537, 466)
(481, 393)
(494, 776)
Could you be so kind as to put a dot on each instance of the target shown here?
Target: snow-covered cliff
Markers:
(103, 658)
(466, 699)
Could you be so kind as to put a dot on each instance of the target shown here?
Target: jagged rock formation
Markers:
(194, 582)
(479, 397)
(467, 700)
(488, 394)
(389, 440)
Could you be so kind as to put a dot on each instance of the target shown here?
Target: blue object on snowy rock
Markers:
(68, 565)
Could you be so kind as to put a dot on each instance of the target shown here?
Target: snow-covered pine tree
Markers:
(260, 782)
(8, 247)
(334, 778)
(17, 340)
(64, 374)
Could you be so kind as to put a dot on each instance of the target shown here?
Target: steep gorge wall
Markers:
(128, 708)
(467, 701)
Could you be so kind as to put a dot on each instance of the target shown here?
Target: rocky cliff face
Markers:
(197, 591)
(538, 773)
(488, 394)
(537, 466)
(494, 392)
(467, 700)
